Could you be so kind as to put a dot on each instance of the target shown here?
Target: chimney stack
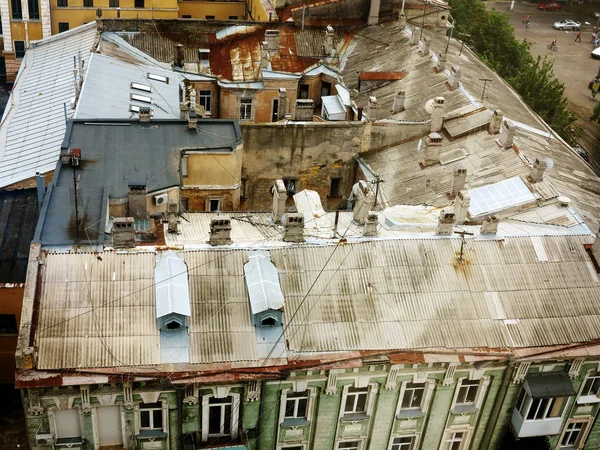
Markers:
(371, 224)
(461, 206)
(173, 224)
(179, 56)
(454, 78)
(507, 134)
(414, 37)
(490, 225)
(328, 44)
(272, 37)
(496, 122)
(399, 101)
(220, 231)
(192, 120)
(459, 177)
(265, 57)
(445, 222)
(304, 110)
(123, 232)
(426, 44)
(372, 111)
(537, 171)
(374, 7)
(293, 227)
(282, 104)
(364, 202)
(279, 198)
(441, 64)
(433, 148)
(40, 185)
(437, 114)
(401, 21)
(136, 201)
(145, 114)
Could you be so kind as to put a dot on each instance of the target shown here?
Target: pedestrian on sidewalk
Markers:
(578, 38)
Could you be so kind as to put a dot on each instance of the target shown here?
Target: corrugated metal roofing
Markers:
(34, 123)
(97, 313)
(262, 282)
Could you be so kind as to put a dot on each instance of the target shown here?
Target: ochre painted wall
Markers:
(11, 301)
(221, 10)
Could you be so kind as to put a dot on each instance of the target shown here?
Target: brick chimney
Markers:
(279, 198)
(454, 78)
(490, 225)
(145, 114)
(364, 202)
(459, 177)
(282, 104)
(445, 222)
(537, 171)
(496, 122)
(179, 56)
(304, 110)
(433, 148)
(461, 206)
(507, 134)
(437, 113)
(293, 227)
(272, 37)
(328, 43)
(123, 232)
(173, 217)
(136, 201)
(371, 224)
(399, 98)
(372, 111)
(220, 231)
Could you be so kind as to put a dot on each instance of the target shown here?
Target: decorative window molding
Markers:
(575, 433)
(449, 376)
(355, 406)
(86, 406)
(540, 409)
(575, 367)
(229, 425)
(460, 435)
(332, 377)
(521, 372)
(469, 395)
(390, 382)
(252, 391)
(414, 399)
(404, 442)
(590, 389)
(191, 394)
(298, 406)
(35, 406)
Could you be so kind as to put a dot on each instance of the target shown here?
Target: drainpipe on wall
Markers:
(180, 393)
(498, 402)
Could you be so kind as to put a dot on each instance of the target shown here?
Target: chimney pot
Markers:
(272, 37)
(137, 202)
(374, 7)
(123, 232)
(490, 225)
(220, 231)
(445, 222)
(433, 148)
(414, 38)
(371, 224)
(265, 57)
(441, 64)
(537, 171)
(328, 44)
(496, 122)
(507, 134)
(461, 206)
(401, 21)
(173, 218)
(372, 113)
(399, 101)
(437, 113)
(179, 56)
(365, 201)
(459, 178)
(425, 48)
(145, 114)
(304, 110)
(282, 104)
(192, 120)
(454, 77)
(293, 227)
(279, 199)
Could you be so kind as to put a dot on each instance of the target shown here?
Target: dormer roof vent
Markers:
(264, 290)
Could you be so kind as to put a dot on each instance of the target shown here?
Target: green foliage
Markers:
(493, 40)
(596, 114)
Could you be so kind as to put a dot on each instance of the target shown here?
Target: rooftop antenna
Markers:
(485, 80)
(462, 243)
(376, 182)
(427, 183)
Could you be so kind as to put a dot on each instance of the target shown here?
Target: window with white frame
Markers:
(467, 392)
(349, 445)
(574, 435)
(296, 405)
(151, 416)
(204, 100)
(539, 408)
(454, 440)
(414, 394)
(219, 416)
(403, 443)
(246, 109)
(356, 401)
(293, 447)
(591, 386)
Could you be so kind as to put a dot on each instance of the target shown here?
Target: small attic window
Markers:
(141, 87)
(134, 108)
(268, 322)
(173, 325)
(160, 78)
(141, 98)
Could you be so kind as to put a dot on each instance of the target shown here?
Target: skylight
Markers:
(141, 98)
(160, 78)
(498, 196)
(141, 87)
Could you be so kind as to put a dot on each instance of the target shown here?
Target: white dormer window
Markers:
(590, 390)
(264, 290)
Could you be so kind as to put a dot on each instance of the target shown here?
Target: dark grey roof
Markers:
(550, 385)
(114, 154)
(18, 217)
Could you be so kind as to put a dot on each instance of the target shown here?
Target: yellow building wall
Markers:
(256, 11)
(212, 169)
(11, 301)
(221, 10)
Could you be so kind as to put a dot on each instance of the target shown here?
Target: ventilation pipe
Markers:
(173, 217)
(496, 122)
(293, 227)
(426, 44)
(507, 134)
(414, 38)
(459, 177)
(399, 101)
(437, 113)
(461, 206)
(454, 78)
(433, 148)
(372, 111)
(371, 224)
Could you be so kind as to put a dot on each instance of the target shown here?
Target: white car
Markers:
(596, 53)
(567, 25)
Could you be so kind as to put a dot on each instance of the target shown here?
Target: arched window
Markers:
(268, 322)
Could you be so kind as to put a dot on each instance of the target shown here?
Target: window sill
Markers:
(588, 399)
(354, 417)
(298, 422)
(151, 434)
(410, 413)
(464, 409)
(69, 441)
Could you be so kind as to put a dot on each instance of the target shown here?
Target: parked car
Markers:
(581, 152)
(567, 24)
(596, 54)
(549, 7)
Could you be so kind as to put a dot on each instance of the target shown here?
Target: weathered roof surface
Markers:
(97, 313)
(18, 218)
(414, 294)
(220, 327)
(381, 76)
(33, 125)
(172, 287)
(106, 74)
(152, 156)
(407, 183)
(262, 282)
